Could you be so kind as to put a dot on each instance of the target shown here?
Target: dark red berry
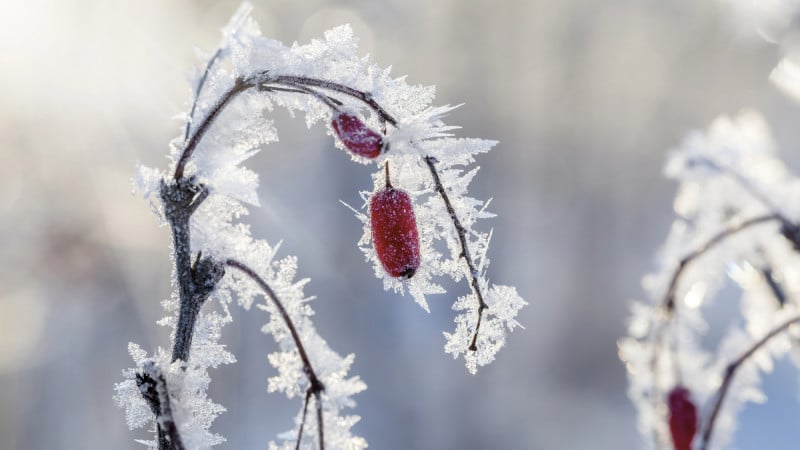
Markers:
(356, 136)
(682, 418)
(394, 232)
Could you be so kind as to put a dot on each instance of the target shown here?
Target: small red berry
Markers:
(682, 418)
(394, 231)
(356, 136)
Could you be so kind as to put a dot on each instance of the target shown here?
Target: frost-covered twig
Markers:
(239, 86)
(315, 386)
(465, 253)
(198, 90)
(153, 387)
(730, 371)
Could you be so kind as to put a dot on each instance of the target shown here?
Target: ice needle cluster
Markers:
(227, 123)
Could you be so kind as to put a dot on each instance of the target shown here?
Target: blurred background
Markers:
(585, 97)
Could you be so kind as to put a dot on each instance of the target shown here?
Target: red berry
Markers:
(682, 418)
(394, 232)
(357, 137)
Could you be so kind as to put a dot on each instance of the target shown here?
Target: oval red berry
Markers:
(356, 136)
(682, 418)
(394, 232)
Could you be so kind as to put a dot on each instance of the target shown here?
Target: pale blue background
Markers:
(586, 98)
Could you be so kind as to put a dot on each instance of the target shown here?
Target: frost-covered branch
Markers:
(206, 191)
(730, 372)
(669, 297)
(315, 386)
(465, 253)
(195, 281)
(198, 90)
(239, 86)
(153, 387)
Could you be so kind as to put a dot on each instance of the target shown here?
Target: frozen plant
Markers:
(736, 220)
(420, 227)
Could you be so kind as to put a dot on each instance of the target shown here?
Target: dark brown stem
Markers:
(386, 174)
(303, 421)
(315, 385)
(365, 97)
(238, 87)
(462, 237)
(300, 89)
(730, 371)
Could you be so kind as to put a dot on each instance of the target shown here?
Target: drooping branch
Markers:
(153, 386)
(315, 385)
(462, 237)
(730, 372)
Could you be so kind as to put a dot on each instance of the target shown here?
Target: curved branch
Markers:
(315, 385)
(238, 87)
(462, 237)
(669, 297)
(365, 97)
(730, 371)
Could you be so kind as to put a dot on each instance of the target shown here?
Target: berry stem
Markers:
(386, 174)
(730, 371)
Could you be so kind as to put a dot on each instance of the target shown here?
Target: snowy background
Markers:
(586, 98)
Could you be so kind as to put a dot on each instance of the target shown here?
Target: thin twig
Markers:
(315, 385)
(669, 297)
(730, 371)
(198, 91)
(303, 421)
(365, 97)
(238, 87)
(330, 102)
(462, 237)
